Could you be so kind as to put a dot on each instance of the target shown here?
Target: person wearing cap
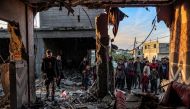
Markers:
(49, 72)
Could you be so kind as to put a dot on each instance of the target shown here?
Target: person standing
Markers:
(130, 75)
(138, 72)
(120, 77)
(145, 82)
(86, 75)
(83, 64)
(49, 73)
(153, 80)
(164, 69)
(147, 68)
(154, 64)
(82, 67)
(59, 67)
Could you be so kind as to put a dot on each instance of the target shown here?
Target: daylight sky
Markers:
(139, 25)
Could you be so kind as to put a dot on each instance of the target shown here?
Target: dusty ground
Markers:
(72, 96)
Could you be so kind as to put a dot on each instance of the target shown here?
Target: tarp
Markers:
(115, 16)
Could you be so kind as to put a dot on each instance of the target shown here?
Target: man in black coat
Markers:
(49, 72)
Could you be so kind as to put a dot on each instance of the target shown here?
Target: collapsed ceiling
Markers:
(45, 4)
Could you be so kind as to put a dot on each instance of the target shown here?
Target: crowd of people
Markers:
(141, 74)
(138, 73)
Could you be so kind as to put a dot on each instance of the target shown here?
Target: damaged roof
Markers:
(45, 4)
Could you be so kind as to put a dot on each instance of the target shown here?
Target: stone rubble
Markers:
(72, 96)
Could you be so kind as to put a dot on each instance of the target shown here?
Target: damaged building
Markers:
(71, 36)
(21, 67)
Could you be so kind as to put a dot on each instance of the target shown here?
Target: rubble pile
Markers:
(71, 95)
(4, 100)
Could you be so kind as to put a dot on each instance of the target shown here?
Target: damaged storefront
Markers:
(71, 36)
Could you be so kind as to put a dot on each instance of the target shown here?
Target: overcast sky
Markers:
(139, 25)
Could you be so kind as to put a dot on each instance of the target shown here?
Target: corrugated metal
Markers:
(56, 18)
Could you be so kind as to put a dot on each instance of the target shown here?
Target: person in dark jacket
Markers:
(82, 67)
(130, 75)
(83, 64)
(153, 80)
(49, 72)
(59, 67)
(164, 69)
(120, 77)
(138, 72)
(86, 75)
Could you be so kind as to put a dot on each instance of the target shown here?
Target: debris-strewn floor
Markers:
(4, 101)
(71, 96)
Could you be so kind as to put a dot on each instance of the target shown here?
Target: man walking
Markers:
(49, 73)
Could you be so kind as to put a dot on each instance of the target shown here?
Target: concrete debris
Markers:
(71, 95)
(69, 83)
(4, 102)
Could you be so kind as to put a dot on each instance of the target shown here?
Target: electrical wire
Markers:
(156, 38)
(88, 17)
(154, 25)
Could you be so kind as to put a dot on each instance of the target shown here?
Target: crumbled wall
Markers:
(180, 40)
(14, 10)
(102, 42)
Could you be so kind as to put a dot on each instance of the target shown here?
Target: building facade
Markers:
(72, 36)
(155, 50)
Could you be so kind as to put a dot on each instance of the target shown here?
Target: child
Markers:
(145, 82)
(153, 80)
(86, 74)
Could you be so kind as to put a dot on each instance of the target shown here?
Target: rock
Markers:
(107, 99)
(68, 82)
(79, 84)
(80, 106)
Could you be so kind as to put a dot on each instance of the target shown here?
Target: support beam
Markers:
(102, 42)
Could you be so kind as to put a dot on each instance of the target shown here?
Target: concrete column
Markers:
(39, 53)
(18, 84)
(180, 40)
(102, 42)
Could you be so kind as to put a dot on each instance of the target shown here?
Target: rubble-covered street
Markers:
(71, 95)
